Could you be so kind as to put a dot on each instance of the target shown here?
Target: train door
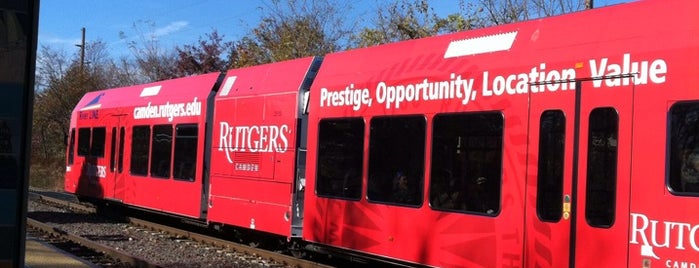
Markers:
(116, 160)
(579, 174)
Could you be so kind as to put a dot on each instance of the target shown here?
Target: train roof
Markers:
(577, 36)
(285, 76)
(174, 90)
(620, 34)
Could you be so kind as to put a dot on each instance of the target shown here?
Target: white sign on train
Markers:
(254, 139)
(461, 87)
(168, 110)
(652, 234)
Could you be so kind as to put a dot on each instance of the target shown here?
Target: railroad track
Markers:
(238, 251)
(84, 248)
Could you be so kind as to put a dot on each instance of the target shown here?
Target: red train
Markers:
(569, 141)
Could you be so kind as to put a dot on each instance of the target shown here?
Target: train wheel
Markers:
(297, 250)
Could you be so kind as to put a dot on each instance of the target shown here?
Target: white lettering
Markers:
(679, 264)
(536, 81)
(643, 71)
(254, 139)
(663, 234)
(622, 70)
(167, 110)
(347, 97)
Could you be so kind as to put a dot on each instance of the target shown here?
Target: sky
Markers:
(174, 22)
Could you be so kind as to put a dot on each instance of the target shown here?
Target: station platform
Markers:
(38, 254)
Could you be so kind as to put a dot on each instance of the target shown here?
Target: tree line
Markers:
(286, 30)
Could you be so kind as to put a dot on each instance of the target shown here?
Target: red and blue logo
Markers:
(91, 109)
(93, 104)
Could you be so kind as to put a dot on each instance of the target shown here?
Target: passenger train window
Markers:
(120, 163)
(600, 199)
(396, 160)
(84, 141)
(140, 147)
(549, 184)
(71, 147)
(684, 149)
(112, 151)
(340, 153)
(184, 167)
(161, 154)
(99, 134)
(466, 172)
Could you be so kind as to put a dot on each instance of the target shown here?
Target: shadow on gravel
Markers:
(54, 194)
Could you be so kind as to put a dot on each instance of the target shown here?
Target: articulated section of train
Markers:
(565, 141)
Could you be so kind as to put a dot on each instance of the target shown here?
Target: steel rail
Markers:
(266, 254)
(114, 253)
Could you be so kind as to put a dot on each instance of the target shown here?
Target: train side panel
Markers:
(557, 142)
(565, 116)
(418, 122)
(150, 153)
(362, 209)
(664, 196)
(255, 145)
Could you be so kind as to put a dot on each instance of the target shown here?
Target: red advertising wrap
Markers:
(569, 141)
(255, 145)
(110, 154)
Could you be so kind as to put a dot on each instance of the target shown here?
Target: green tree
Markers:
(293, 29)
(412, 19)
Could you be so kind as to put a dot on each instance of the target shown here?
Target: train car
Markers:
(223, 149)
(569, 141)
(559, 142)
(142, 145)
(259, 147)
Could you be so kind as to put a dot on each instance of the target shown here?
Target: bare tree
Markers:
(545, 8)
(123, 72)
(50, 65)
(507, 11)
(294, 29)
(154, 61)
(63, 84)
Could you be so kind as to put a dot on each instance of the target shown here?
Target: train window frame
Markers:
(71, 147)
(452, 185)
(185, 152)
(161, 151)
(549, 182)
(397, 160)
(601, 178)
(98, 142)
(112, 150)
(120, 163)
(683, 148)
(346, 156)
(140, 144)
(84, 135)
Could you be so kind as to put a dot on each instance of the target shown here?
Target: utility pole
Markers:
(82, 51)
